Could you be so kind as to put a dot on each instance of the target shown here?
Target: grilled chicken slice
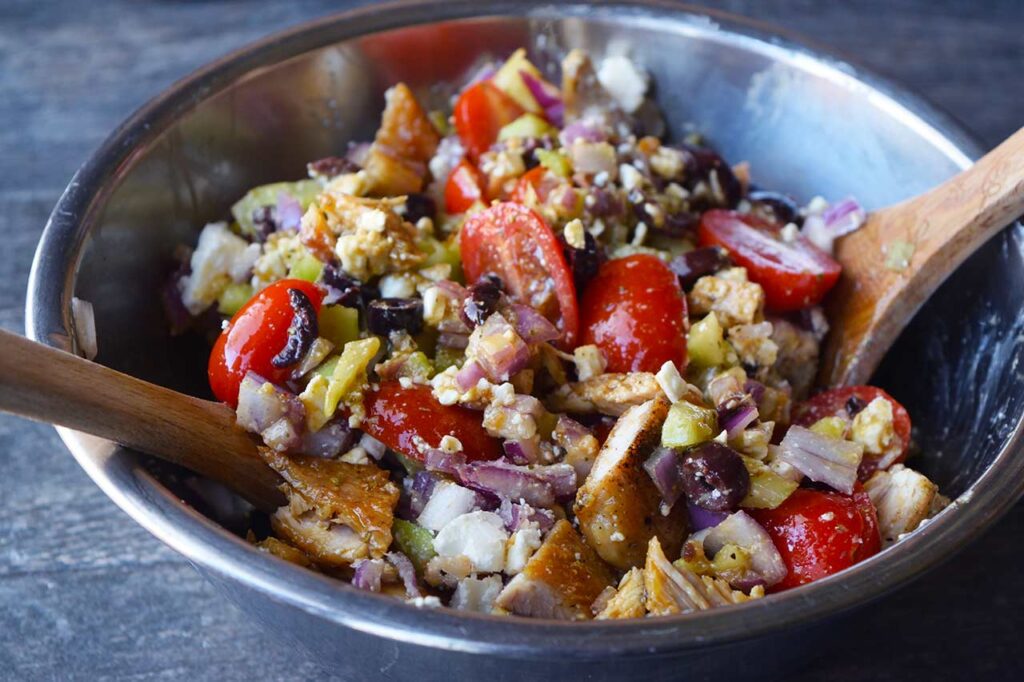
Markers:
(337, 512)
(629, 601)
(282, 550)
(903, 499)
(610, 394)
(561, 580)
(618, 506)
(671, 589)
(406, 140)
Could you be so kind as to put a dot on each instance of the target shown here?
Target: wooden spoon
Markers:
(933, 233)
(50, 385)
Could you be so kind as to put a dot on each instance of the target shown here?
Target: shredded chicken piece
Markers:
(337, 512)
(630, 600)
(610, 394)
(282, 550)
(797, 360)
(903, 499)
(561, 580)
(618, 507)
(672, 589)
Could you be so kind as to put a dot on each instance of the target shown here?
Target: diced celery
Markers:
(546, 424)
(767, 489)
(509, 79)
(554, 161)
(307, 267)
(426, 340)
(447, 357)
(417, 366)
(326, 368)
(414, 541)
(350, 369)
(830, 427)
(411, 466)
(339, 324)
(443, 252)
(305, 191)
(440, 121)
(688, 424)
(705, 344)
(234, 297)
(527, 125)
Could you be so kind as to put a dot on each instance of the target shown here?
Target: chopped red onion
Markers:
(416, 492)
(469, 375)
(258, 408)
(524, 451)
(498, 349)
(282, 435)
(580, 130)
(289, 212)
(593, 157)
(357, 153)
(547, 96)
(407, 572)
(755, 389)
(531, 326)
(443, 462)
(735, 418)
(742, 530)
(701, 518)
(368, 573)
(663, 468)
(539, 486)
(330, 441)
(374, 448)
(844, 217)
(484, 72)
(822, 459)
(518, 514)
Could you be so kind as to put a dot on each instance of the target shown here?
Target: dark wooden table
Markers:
(87, 594)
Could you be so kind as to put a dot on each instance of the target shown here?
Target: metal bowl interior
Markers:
(808, 123)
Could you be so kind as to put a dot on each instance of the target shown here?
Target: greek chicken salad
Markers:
(525, 356)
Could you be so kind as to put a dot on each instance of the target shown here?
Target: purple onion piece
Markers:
(368, 573)
(257, 410)
(498, 349)
(407, 572)
(517, 514)
(580, 130)
(539, 486)
(755, 389)
(844, 217)
(469, 375)
(533, 327)
(701, 518)
(521, 451)
(736, 418)
(742, 530)
(663, 468)
(547, 96)
(289, 212)
(450, 463)
(831, 461)
(331, 440)
(357, 153)
(453, 340)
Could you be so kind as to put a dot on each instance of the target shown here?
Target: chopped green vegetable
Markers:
(447, 357)
(767, 489)
(440, 121)
(305, 191)
(326, 368)
(411, 466)
(546, 424)
(554, 161)
(307, 267)
(443, 252)
(417, 366)
(706, 343)
(527, 125)
(830, 427)
(688, 424)
(339, 324)
(414, 541)
(351, 368)
(898, 255)
(234, 297)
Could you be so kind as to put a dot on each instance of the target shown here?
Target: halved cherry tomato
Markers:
(820, 533)
(635, 312)
(397, 416)
(256, 333)
(835, 402)
(480, 112)
(794, 274)
(463, 189)
(514, 243)
(534, 186)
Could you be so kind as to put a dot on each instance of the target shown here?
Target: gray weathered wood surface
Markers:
(87, 594)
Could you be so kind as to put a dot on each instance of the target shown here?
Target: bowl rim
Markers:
(121, 475)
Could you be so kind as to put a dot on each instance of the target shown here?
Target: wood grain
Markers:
(86, 594)
(876, 298)
(50, 385)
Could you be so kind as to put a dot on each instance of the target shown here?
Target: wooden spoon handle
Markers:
(904, 252)
(50, 385)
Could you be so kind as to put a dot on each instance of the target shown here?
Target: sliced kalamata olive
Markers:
(419, 206)
(705, 164)
(264, 220)
(331, 166)
(692, 265)
(584, 262)
(854, 405)
(386, 315)
(680, 224)
(302, 332)
(714, 477)
(774, 206)
(482, 301)
(342, 288)
(603, 203)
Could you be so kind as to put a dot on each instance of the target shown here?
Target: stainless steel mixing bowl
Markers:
(808, 123)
